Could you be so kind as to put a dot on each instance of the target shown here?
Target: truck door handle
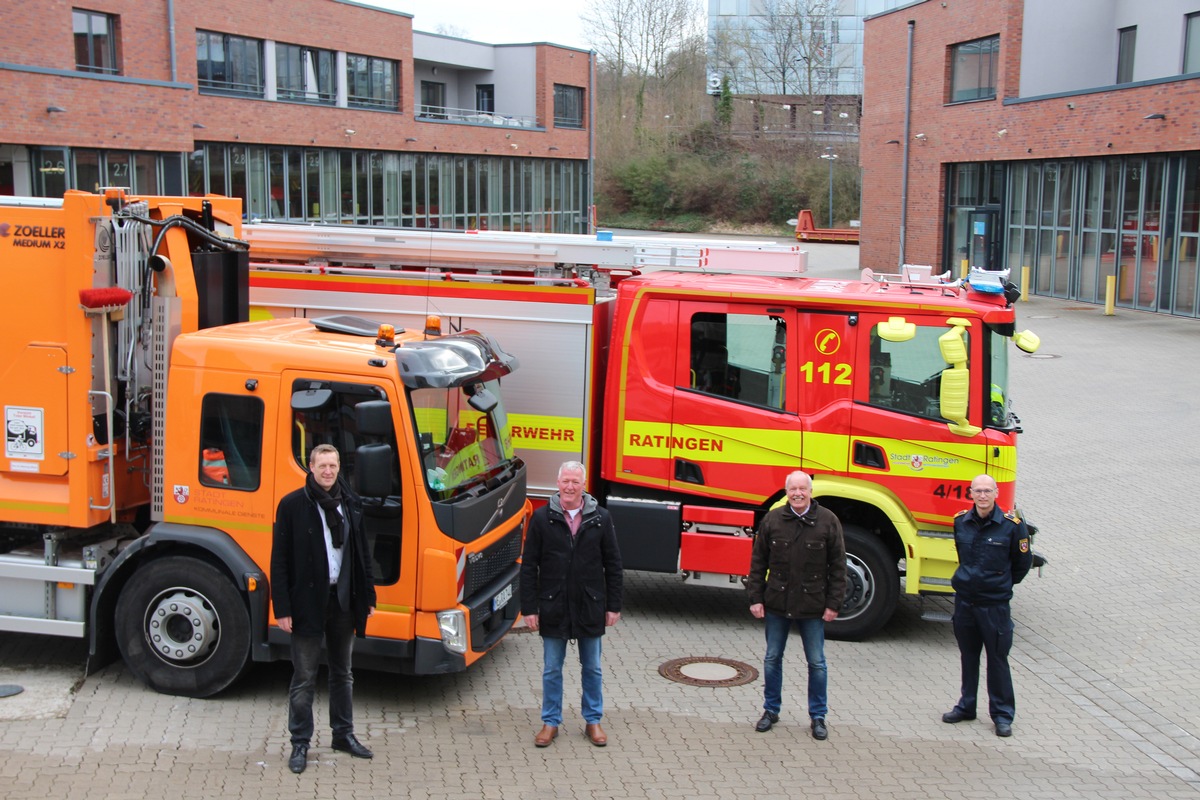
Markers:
(688, 471)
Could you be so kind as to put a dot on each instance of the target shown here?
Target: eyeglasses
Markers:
(982, 491)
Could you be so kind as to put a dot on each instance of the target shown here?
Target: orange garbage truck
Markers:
(692, 377)
(151, 431)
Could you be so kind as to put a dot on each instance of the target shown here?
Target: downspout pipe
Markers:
(912, 25)
(591, 199)
(171, 37)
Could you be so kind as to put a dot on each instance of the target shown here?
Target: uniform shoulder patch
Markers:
(1023, 544)
(960, 513)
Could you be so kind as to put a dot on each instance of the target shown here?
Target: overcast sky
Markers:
(555, 21)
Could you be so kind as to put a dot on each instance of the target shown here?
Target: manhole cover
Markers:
(10, 689)
(708, 671)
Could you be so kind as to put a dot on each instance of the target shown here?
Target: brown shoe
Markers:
(545, 736)
(596, 734)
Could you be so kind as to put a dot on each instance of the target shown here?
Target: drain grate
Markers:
(708, 671)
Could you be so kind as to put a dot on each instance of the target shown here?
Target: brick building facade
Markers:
(1059, 135)
(313, 110)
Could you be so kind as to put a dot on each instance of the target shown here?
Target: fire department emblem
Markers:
(1024, 545)
(917, 462)
(182, 493)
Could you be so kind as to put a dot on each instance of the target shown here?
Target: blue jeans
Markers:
(306, 658)
(812, 633)
(554, 651)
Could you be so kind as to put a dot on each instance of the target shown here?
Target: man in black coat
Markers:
(571, 589)
(321, 588)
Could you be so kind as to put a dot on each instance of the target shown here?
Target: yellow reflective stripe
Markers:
(934, 460)
(41, 508)
(827, 452)
(220, 524)
(546, 432)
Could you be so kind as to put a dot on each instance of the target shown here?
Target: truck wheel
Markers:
(872, 587)
(183, 627)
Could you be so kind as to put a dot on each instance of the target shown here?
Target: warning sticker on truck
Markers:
(23, 433)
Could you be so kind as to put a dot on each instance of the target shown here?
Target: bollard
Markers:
(1110, 295)
(1025, 284)
(964, 268)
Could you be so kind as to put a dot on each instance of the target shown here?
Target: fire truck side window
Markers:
(907, 376)
(231, 441)
(739, 356)
(331, 419)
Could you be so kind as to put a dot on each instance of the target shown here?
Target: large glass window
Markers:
(568, 106)
(1126, 44)
(973, 69)
(907, 376)
(305, 74)
(1191, 44)
(739, 356)
(95, 41)
(371, 82)
(229, 64)
(433, 99)
(485, 98)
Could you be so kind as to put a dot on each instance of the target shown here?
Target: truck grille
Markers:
(483, 568)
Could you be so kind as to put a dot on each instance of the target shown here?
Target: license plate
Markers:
(501, 599)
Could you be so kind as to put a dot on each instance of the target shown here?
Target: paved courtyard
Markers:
(1108, 691)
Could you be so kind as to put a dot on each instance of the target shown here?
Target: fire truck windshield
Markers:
(463, 449)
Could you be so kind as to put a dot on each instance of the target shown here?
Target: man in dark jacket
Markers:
(993, 555)
(321, 588)
(797, 577)
(571, 589)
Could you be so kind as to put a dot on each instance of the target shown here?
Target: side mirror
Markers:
(1027, 341)
(481, 399)
(373, 470)
(374, 417)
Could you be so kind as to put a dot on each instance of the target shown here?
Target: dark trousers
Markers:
(306, 658)
(989, 628)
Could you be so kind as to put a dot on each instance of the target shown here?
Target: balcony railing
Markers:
(472, 117)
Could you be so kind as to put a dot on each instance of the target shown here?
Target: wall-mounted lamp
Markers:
(435, 70)
(920, 137)
(1071, 106)
(892, 141)
(817, 112)
(1000, 134)
(514, 145)
(553, 147)
(843, 115)
(411, 139)
(350, 131)
(1155, 116)
(199, 126)
(55, 110)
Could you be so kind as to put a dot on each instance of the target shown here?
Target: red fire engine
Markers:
(692, 379)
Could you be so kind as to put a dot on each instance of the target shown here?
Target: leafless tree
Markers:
(636, 41)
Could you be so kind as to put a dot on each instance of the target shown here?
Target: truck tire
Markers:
(872, 587)
(183, 627)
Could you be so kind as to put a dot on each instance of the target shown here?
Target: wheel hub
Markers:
(860, 589)
(181, 626)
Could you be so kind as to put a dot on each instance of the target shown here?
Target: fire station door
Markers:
(734, 431)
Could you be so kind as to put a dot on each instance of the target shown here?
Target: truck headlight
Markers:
(453, 625)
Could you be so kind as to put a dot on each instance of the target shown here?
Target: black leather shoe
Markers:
(820, 732)
(768, 719)
(956, 715)
(1004, 729)
(352, 746)
(299, 759)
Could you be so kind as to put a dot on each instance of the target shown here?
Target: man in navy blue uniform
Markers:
(993, 555)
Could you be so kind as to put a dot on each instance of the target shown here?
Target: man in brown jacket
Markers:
(797, 577)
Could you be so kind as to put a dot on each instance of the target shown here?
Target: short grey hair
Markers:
(573, 466)
(322, 449)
